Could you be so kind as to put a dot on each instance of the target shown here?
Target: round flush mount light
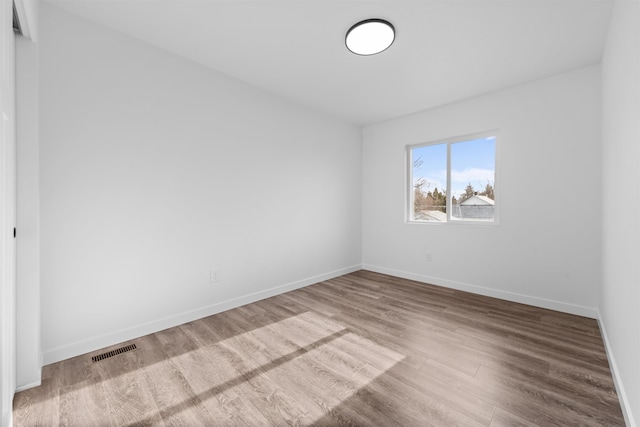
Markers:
(370, 36)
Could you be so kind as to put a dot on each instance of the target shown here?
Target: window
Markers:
(453, 180)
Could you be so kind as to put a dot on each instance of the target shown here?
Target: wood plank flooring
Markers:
(364, 349)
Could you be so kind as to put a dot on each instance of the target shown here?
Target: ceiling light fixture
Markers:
(370, 36)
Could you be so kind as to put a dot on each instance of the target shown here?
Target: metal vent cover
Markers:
(112, 353)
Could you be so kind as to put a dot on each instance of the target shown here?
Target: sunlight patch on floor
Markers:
(291, 364)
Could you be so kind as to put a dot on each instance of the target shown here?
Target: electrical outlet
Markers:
(429, 257)
(214, 276)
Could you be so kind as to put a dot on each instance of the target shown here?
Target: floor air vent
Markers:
(112, 353)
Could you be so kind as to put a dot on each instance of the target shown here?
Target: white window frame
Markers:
(409, 191)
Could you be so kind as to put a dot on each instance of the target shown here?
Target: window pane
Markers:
(473, 170)
(429, 180)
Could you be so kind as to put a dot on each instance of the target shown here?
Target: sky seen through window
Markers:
(472, 162)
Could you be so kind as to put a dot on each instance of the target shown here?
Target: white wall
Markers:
(28, 350)
(547, 253)
(620, 295)
(155, 170)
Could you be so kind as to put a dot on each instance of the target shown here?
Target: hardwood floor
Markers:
(361, 349)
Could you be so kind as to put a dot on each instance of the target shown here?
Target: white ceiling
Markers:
(444, 50)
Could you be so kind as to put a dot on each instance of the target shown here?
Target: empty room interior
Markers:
(245, 213)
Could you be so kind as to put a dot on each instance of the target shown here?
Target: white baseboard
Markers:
(29, 381)
(617, 379)
(495, 293)
(28, 386)
(85, 346)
